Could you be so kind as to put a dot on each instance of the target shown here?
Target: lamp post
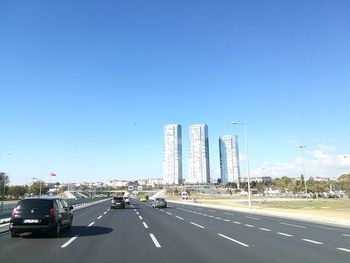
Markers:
(302, 157)
(247, 161)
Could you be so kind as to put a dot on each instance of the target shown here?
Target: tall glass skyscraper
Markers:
(172, 154)
(229, 159)
(199, 169)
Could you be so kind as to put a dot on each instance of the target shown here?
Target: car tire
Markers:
(14, 234)
(56, 231)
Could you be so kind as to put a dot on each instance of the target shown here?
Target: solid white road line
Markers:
(345, 235)
(68, 242)
(99, 217)
(287, 224)
(265, 229)
(237, 223)
(145, 225)
(255, 218)
(284, 234)
(343, 249)
(234, 240)
(169, 213)
(141, 217)
(155, 241)
(91, 224)
(312, 241)
(5, 224)
(248, 225)
(179, 217)
(197, 225)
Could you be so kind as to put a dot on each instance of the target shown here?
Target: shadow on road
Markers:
(82, 231)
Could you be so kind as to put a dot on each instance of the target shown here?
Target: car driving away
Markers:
(118, 202)
(159, 203)
(143, 199)
(41, 215)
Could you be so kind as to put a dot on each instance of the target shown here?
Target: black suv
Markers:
(44, 214)
(118, 202)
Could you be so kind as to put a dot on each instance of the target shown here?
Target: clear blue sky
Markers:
(87, 86)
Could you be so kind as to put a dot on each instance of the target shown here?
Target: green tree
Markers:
(34, 189)
(17, 191)
(344, 183)
(4, 181)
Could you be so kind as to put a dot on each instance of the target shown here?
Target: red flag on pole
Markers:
(53, 174)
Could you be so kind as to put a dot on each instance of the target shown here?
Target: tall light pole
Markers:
(247, 161)
(302, 157)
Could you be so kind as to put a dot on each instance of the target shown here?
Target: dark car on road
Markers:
(44, 214)
(118, 202)
(159, 203)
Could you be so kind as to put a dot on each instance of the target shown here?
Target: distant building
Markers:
(229, 159)
(172, 154)
(199, 168)
(263, 179)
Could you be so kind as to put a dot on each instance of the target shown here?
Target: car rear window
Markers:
(39, 204)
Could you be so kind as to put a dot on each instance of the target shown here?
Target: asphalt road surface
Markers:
(179, 233)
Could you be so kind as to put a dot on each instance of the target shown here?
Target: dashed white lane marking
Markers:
(105, 213)
(211, 216)
(68, 242)
(287, 224)
(161, 210)
(227, 220)
(155, 241)
(265, 229)
(91, 224)
(168, 213)
(312, 241)
(179, 217)
(255, 218)
(108, 209)
(234, 240)
(145, 225)
(345, 235)
(237, 223)
(248, 225)
(137, 213)
(141, 217)
(135, 210)
(204, 215)
(284, 234)
(197, 225)
(343, 249)
(99, 217)
(228, 214)
(218, 217)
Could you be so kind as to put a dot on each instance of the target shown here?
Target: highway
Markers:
(179, 233)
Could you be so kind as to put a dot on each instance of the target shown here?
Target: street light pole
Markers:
(247, 161)
(302, 157)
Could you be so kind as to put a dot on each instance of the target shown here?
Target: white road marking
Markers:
(161, 210)
(197, 225)
(312, 241)
(204, 215)
(155, 241)
(227, 220)
(234, 240)
(5, 224)
(145, 225)
(91, 224)
(255, 218)
(105, 213)
(343, 249)
(218, 217)
(248, 225)
(265, 229)
(229, 214)
(284, 234)
(169, 213)
(68, 242)
(179, 217)
(108, 209)
(137, 213)
(287, 224)
(345, 235)
(99, 217)
(141, 217)
(211, 216)
(135, 210)
(238, 223)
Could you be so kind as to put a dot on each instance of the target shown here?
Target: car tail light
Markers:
(52, 212)
(13, 212)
